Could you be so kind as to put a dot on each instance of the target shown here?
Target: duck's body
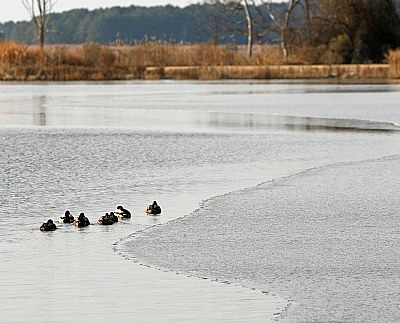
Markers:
(153, 209)
(67, 218)
(122, 213)
(124, 216)
(105, 221)
(113, 217)
(108, 219)
(48, 226)
(81, 221)
(81, 224)
(45, 227)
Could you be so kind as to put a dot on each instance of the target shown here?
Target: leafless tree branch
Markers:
(39, 11)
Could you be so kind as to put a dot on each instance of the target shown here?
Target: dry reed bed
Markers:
(394, 62)
(168, 61)
(370, 71)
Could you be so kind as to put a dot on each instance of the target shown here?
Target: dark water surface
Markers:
(92, 146)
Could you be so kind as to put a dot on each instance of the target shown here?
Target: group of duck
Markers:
(106, 219)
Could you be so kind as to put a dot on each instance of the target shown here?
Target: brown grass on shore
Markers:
(95, 62)
(169, 61)
(393, 59)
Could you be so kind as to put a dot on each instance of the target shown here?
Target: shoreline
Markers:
(362, 73)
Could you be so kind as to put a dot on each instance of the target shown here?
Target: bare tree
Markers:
(283, 23)
(223, 19)
(39, 11)
(249, 20)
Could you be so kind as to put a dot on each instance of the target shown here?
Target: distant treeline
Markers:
(191, 24)
(211, 21)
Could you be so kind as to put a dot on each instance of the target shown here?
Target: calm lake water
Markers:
(317, 241)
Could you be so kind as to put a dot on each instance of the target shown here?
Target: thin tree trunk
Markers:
(41, 36)
(249, 20)
(283, 26)
(39, 11)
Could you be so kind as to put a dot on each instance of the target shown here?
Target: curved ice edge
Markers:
(279, 313)
(137, 234)
(312, 122)
(338, 123)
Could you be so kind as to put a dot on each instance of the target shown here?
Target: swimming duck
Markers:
(67, 218)
(113, 217)
(81, 221)
(153, 209)
(48, 226)
(123, 213)
(108, 219)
